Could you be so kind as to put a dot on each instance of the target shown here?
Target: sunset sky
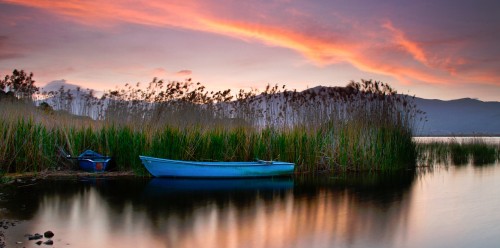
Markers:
(444, 49)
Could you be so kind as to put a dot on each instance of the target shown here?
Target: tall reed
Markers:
(363, 126)
(459, 152)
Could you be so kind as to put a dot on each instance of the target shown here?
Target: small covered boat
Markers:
(160, 167)
(92, 161)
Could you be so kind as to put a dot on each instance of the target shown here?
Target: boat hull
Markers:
(159, 167)
(93, 165)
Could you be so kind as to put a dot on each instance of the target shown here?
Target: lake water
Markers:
(448, 206)
(445, 139)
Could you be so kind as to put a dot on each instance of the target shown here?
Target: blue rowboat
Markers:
(160, 167)
(92, 161)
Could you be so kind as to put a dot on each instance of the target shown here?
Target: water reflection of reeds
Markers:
(316, 213)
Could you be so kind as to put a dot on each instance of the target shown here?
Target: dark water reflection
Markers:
(443, 208)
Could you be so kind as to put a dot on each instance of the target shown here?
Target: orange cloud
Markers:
(200, 16)
(409, 46)
(317, 50)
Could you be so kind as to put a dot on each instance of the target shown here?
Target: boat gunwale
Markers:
(95, 160)
(260, 163)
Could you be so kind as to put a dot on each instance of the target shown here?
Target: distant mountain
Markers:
(57, 84)
(72, 98)
(459, 117)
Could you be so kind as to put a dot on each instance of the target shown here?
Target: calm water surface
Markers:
(490, 140)
(449, 206)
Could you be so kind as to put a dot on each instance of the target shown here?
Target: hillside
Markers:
(459, 117)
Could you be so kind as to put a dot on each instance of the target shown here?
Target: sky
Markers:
(438, 49)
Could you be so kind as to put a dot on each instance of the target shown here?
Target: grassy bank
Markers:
(31, 146)
(361, 127)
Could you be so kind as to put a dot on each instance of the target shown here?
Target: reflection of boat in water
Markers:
(159, 167)
(160, 186)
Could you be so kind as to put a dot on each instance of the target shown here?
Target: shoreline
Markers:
(65, 174)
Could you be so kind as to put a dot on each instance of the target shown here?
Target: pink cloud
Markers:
(362, 46)
(159, 72)
(183, 73)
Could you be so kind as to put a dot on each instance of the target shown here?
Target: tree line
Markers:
(20, 85)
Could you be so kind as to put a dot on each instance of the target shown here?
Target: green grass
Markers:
(31, 146)
(483, 153)
(475, 151)
(459, 153)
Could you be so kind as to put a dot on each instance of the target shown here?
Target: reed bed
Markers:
(363, 126)
(476, 151)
